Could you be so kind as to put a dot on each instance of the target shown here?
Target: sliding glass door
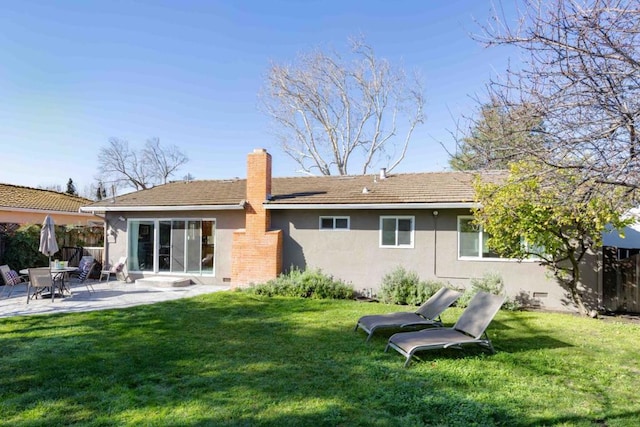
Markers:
(177, 246)
(141, 247)
(208, 246)
(181, 246)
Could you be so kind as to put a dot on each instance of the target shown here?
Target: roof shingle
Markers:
(430, 187)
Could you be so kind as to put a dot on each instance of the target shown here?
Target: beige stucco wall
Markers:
(226, 223)
(60, 218)
(356, 256)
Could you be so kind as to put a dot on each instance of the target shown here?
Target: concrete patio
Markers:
(107, 295)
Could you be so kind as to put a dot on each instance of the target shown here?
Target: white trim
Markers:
(272, 206)
(455, 205)
(45, 211)
(162, 208)
(397, 217)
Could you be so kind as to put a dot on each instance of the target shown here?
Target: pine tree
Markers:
(71, 188)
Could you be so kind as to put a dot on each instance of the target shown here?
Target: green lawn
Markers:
(234, 359)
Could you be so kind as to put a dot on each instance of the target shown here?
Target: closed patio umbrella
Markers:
(48, 243)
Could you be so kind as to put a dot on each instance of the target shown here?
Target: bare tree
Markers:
(123, 167)
(51, 187)
(163, 162)
(580, 71)
(330, 112)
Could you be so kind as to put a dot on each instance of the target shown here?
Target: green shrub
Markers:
(304, 284)
(22, 248)
(405, 287)
(490, 282)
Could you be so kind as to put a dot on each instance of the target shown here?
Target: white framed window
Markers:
(335, 223)
(472, 240)
(472, 243)
(396, 231)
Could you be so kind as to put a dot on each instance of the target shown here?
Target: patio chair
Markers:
(427, 315)
(115, 269)
(12, 279)
(40, 279)
(82, 264)
(83, 275)
(469, 329)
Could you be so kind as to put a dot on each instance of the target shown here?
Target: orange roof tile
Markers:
(18, 197)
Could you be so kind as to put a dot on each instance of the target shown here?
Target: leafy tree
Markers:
(330, 112)
(498, 136)
(71, 188)
(142, 169)
(548, 219)
(581, 73)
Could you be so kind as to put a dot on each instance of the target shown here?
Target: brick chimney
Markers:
(256, 250)
(258, 219)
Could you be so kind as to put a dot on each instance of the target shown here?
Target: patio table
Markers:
(58, 274)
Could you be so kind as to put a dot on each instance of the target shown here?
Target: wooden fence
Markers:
(67, 240)
(73, 254)
(621, 280)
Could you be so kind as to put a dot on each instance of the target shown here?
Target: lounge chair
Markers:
(427, 315)
(469, 329)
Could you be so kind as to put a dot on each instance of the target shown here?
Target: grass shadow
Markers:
(233, 359)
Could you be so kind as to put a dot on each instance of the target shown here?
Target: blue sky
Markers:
(75, 73)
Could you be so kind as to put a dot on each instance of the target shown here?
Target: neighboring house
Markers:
(629, 237)
(356, 228)
(24, 205)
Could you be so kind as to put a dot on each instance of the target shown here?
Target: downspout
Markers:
(435, 243)
(105, 243)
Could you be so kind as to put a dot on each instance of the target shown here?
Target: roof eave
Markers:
(436, 205)
(42, 211)
(115, 208)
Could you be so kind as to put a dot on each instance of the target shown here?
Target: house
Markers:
(629, 237)
(25, 205)
(356, 228)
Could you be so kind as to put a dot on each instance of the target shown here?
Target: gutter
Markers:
(42, 211)
(321, 206)
(95, 209)
(283, 206)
